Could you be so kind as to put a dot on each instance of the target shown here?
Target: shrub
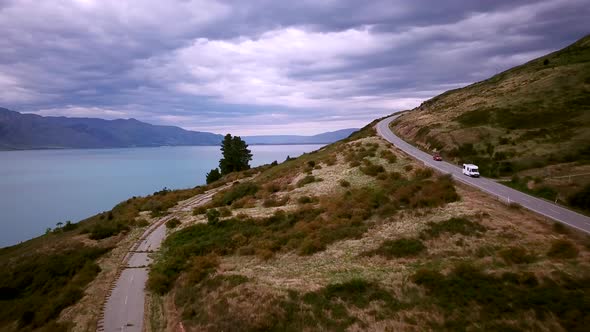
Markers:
(200, 210)
(201, 267)
(423, 173)
(372, 169)
(213, 217)
(389, 156)
(560, 228)
(233, 194)
(306, 200)
(581, 199)
(562, 249)
(399, 248)
(36, 288)
(224, 211)
(344, 183)
(516, 255)
(273, 201)
(172, 223)
(69, 226)
(452, 226)
(306, 180)
(470, 298)
(106, 229)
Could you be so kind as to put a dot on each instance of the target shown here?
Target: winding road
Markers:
(540, 206)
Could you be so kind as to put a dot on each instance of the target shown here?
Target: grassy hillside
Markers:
(531, 122)
(357, 236)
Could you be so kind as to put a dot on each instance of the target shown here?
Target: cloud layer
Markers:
(262, 66)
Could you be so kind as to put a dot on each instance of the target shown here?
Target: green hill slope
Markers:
(532, 121)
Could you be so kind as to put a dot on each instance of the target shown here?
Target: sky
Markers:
(261, 67)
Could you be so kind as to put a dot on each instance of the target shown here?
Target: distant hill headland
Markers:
(20, 131)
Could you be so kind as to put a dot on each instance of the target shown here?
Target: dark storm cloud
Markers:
(264, 66)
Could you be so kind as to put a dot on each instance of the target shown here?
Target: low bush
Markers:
(423, 173)
(306, 200)
(224, 211)
(235, 193)
(334, 307)
(274, 202)
(34, 290)
(473, 299)
(202, 209)
(213, 217)
(452, 226)
(581, 199)
(389, 156)
(107, 229)
(560, 228)
(306, 180)
(562, 249)
(399, 248)
(372, 169)
(344, 183)
(516, 255)
(172, 223)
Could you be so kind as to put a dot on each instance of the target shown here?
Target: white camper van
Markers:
(471, 170)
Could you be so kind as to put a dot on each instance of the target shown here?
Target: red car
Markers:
(437, 157)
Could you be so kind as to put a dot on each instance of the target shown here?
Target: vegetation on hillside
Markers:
(524, 121)
(357, 236)
(35, 289)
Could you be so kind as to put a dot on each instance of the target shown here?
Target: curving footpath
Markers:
(540, 206)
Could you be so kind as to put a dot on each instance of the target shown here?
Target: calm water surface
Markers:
(42, 187)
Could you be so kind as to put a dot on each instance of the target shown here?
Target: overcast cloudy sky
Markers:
(264, 66)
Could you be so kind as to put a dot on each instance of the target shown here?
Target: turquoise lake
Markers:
(39, 188)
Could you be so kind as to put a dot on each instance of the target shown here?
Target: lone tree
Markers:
(236, 155)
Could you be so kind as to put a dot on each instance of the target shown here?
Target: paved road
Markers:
(124, 310)
(540, 206)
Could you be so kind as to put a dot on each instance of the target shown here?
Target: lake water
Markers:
(42, 187)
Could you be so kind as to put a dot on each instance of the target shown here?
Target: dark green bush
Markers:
(172, 223)
(470, 298)
(235, 193)
(562, 249)
(372, 169)
(38, 287)
(399, 248)
(581, 199)
(213, 217)
(452, 226)
(306, 180)
(106, 229)
(516, 255)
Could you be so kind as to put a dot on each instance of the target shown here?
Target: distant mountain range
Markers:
(30, 131)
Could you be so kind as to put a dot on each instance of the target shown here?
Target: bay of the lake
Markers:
(39, 188)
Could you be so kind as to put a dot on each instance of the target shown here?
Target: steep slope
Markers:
(531, 121)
